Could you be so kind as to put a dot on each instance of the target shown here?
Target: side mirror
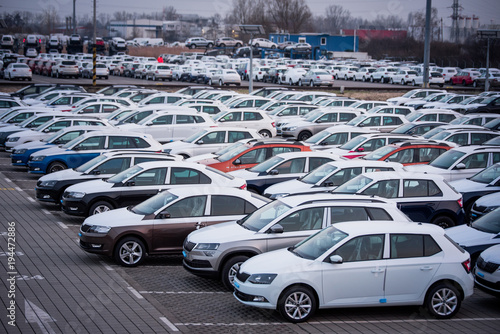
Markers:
(46, 131)
(199, 142)
(276, 228)
(149, 124)
(273, 172)
(361, 125)
(130, 184)
(222, 120)
(318, 121)
(336, 259)
(163, 215)
(56, 142)
(324, 143)
(237, 162)
(327, 184)
(360, 149)
(460, 166)
(96, 172)
(76, 148)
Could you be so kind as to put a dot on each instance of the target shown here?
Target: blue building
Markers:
(325, 42)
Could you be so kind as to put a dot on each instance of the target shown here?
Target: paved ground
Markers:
(61, 289)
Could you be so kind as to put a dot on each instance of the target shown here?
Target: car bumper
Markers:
(96, 244)
(36, 167)
(74, 207)
(248, 293)
(19, 160)
(487, 282)
(46, 195)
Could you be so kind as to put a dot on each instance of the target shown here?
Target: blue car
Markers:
(21, 153)
(88, 146)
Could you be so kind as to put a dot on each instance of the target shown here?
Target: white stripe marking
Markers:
(31, 199)
(169, 324)
(183, 292)
(135, 293)
(46, 212)
(7, 179)
(18, 189)
(106, 266)
(61, 224)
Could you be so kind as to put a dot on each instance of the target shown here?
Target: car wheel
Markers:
(100, 207)
(304, 135)
(220, 82)
(222, 45)
(55, 167)
(210, 82)
(464, 83)
(265, 133)
(363, 79)
(311, 83)
(392, 81)
(290, 82)
(403, 82)
(336, 76)
(130, 252)
(210, 45)
(413, 83)
(238, 45)
(230, 270)
(371, 79)
(443, 221)
(345, 77)
(300, 82)
(154, 78)
(193, 46)
(474, 84)
(256, 45)
(273, 46)
(297, 304)
(443, 301)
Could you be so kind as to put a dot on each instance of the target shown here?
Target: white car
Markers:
(258, 120)
(262, 43)
(404, 77)
(433, 115)
(175, 123)
(413, 94)
(316, 78)
(364, 143)
(335, 136)
(383, 74)
(209, 140)
(359, 264)
(379, 122)
(328, 177)
(435, 78)
(159, 72)
(364, 73)
(346, 72)
(223, 77)
(292, 76)
(17, 71)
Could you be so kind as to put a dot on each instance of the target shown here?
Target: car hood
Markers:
(466, 185)
(51, 151)
(491, 200)
(205, 159)
(426, 169)
(178, 144)
(296, 122)
(29, 133)
(491, 254)
(221, 233)
(93, 186)
(130, 127)
(115, 218)
(244, 174)
(10, 128)
(288, 187)
(65, 174)
(467, 236)
(275, 262)
(33, 145)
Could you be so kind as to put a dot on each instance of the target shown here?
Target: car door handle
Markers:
(375, 271)
(425, 268)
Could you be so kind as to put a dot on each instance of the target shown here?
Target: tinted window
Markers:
(93, 143)
(113, 166)
(184, 119)
(316, 162)
(412, 245)
(278, 150)
(344, 175)
(478, 160)
(385, 188)
(292, 166)
(188, 207)
(228, 205)
(303, 220)
(254, 156)
(214, 137)
(187, 176)
(364, 248)
(118, 142)
(155, 176)
(234, 136)
(378, 214)
(162, 120)
(348, 213)
(336, 139)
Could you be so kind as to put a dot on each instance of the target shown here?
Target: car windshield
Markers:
(441, 136)
(432, 132)
(260, 218)
(318, 243)
(71, 143)
(53, 136)
(317, 137)
(409, 94)
(319, 173)
(404, 128)
(489, 223)
(487, 175)
(91, 163)
(265, 165)
(353, 143)
(356, 120)
(232, 153)
(353, 186)
(194, 136)
(379, 153)
(310, 117)
(413, 116)
(276, 110)
(492, 124)
(154, 203)
(448, 158)
(120, 177)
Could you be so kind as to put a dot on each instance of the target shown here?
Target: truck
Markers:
(117, 45)
(74, 44)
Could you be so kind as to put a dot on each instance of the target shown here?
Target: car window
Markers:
(155, 176)
(184, 119)
(378, 214)
(180, 175)
(113, 166)
(363, 248)
(412, 245)
(230, 205)
(371, 121)
(278, 150)
(188, 207)
(68, 136)
(378, 169)
(234, 136)
(57, 126)
(93, 143)
(428, 118)
(478, 160)
(336, 139)
(232, 117)
(162, 120)
(496, 157)
(252, 116)
(344, 175)
(316, 162)
(479, 138)
(303, 220)
(402, 156)
(427, 154)
(385, 188)
(90, 110)
(217, 137)
(292, 166)
(460, 139)
(373, 144)
(348, 213)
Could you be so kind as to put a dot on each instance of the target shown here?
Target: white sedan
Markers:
(17, 71)
(225, 77)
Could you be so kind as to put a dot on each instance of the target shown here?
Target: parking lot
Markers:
(61, 289)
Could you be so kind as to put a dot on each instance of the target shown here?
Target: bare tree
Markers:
(50, 19)
(416, 22)
(336, 18)
(169, 13)
(289, 15)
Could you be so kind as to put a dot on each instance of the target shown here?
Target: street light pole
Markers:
(94, 58)
(251, 29)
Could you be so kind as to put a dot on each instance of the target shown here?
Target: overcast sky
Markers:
(487, 10)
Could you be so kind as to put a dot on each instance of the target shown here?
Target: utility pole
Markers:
(427, 45)
(94, 58)
(74, 17)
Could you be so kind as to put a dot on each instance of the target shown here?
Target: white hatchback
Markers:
(359, 264)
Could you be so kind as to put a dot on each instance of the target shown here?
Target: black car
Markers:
(491, 105)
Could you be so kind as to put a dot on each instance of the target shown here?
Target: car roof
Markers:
(303, 199)
(213, 190)
(377, 176)
(361, 163)
(362, 228)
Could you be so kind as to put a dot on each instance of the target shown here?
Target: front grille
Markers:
(489, 267)
(84, 245)
(188, 245)
(39, 183)
(243, 296)
(488, 284)
(198, 263)
(242, 277)
(85, 227)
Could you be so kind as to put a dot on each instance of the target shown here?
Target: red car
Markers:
(465, 77)
(47, 67)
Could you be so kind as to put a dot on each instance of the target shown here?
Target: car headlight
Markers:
(13, 139)
(262, 278)
(20, 151)
(74, 194)
(292, 128)
(204, 246)
(98, 229)
(38, 158)
(276, 196)
(48, 184)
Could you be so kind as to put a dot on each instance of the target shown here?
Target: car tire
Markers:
(300, 82)
(403, 82)
(290, 82)
(311, 84)
(413, 83)
(55, 167)
(100, 207)
(210, 45)
(372, 80)
(464, 83)
(238, 45)
(210, 82)
(130, 252)
(273, 46)
(443, 221)
(230, 269)
(154, 78)
(392, 81)
(265, 133)
(297, 304)
(346, 78)
(363, 79)
(222, 45)
(193, 46)
(304, 135)
(221, 83)
(443, 301)
(256, 45)
(474, 84)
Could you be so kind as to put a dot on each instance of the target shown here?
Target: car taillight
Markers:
(467, 266)
(243, 187)
(157, 72)
(317, 77)
(460, 202)
(61, 66)
(406, 76)
(273, 124)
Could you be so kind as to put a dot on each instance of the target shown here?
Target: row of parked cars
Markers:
(271, 217)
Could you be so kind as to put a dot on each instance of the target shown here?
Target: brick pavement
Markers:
(58, 287)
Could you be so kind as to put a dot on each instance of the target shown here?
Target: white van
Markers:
(155, 42)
